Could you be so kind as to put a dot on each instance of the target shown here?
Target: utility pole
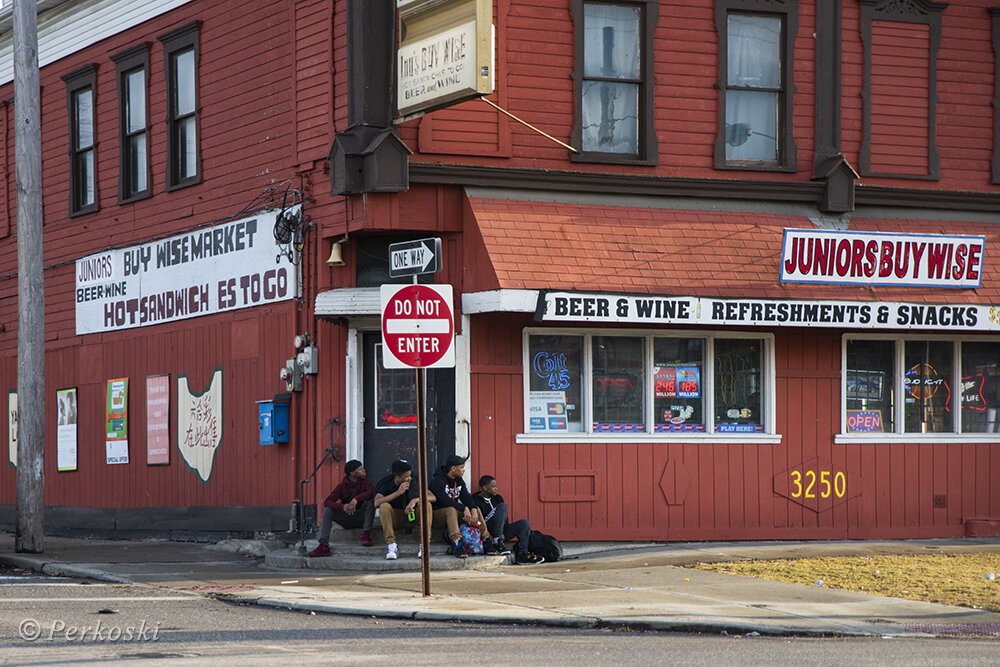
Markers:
(30, 283)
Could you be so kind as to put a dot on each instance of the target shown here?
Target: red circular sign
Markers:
(417, 326)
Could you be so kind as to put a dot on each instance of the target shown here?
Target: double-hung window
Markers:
(755, 90)
(653, 384)
(614, 81)
(81, 94)
(180, 54)
(921, 386)
(133, 132)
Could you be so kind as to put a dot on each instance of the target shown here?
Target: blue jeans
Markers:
(520, 529)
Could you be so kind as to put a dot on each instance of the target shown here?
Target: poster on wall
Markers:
(157, 420)
(199, 424)
(547, 411)
(66, 458)
(116, 442)
(12, 427)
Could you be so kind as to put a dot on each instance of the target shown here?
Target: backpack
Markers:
(472, 539)
(545, 546)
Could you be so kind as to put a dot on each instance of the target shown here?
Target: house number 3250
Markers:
(804, 484)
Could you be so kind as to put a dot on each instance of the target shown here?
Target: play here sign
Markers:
(418, 326)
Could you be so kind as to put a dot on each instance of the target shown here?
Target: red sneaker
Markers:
(320, 551)
(366, 539)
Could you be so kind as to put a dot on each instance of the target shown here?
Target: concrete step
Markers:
(372, 559)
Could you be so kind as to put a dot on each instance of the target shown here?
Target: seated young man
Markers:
(397, 495)
(495, 514)
(349, 504)
(453, 497)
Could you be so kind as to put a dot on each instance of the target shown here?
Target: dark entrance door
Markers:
(390, 426)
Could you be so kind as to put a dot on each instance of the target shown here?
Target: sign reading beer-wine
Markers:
(210, 270)
(874, 258)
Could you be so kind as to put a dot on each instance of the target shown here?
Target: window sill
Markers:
(915, 438)
(611, 158)
(649, 438)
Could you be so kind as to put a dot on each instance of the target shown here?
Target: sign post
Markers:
(418, 331)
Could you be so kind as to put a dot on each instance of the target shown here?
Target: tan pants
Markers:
(392, 518)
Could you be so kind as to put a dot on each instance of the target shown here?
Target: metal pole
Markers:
(30, 283)
(425, 518)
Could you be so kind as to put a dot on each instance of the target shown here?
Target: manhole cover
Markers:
(958, 629)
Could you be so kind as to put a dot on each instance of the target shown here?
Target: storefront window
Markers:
(926, 381)
(738, 384)
(678, 401)
(618, 384)
(650, 384)
(870, 389)
(556, 383)
(927, 366)
(980, 387)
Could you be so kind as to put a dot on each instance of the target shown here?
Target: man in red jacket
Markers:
(351, 505)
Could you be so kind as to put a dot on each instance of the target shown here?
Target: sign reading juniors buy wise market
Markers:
(877, 258)
(634, 309)
(206, 271)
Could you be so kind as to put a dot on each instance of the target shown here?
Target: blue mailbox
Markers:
(274, 419)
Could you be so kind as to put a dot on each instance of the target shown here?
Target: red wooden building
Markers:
(758, 298)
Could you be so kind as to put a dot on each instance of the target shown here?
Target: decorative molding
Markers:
(995, 18)
(828, 67)
(660, 186)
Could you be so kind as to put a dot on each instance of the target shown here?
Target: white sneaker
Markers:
(420, 551)
(392, 552)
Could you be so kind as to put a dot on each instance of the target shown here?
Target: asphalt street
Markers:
(82, 622)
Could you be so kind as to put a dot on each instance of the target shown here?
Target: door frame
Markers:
(354, 391)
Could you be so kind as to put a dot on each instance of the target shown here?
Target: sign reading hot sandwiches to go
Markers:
(209, 270)
(649, 309)
(876, 258)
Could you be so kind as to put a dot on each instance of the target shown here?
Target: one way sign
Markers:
(412, 258)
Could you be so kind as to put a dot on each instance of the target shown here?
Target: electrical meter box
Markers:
(274, 419)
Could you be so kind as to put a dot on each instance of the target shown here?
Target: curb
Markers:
(55, 569)
(577, 622)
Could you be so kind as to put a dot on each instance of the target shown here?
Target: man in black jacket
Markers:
(495, 514)
(450, 492)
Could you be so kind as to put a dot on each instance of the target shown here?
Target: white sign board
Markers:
(632, 309)
(209, 270)
(877, 258)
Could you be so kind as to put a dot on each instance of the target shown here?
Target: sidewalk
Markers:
(599, 585)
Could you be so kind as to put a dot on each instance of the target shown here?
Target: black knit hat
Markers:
(351, 466)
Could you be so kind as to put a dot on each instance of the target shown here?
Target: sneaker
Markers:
(420, 551)
(366, 539)
(458, 550)
(320, 551)
(501, 548)
(529, 559)
(392, 552)
(489, 549)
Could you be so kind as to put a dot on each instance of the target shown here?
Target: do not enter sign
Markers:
(418, 329)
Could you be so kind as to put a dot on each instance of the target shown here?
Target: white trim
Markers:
(463, 393)
(72, 26)
(651, 438)
(916, 438)
(354, 428)
(349, 301)
(500, 301)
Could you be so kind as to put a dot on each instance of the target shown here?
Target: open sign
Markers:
(864, 421)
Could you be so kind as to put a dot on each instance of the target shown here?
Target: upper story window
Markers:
(612, 384)
(133, 124)
(614, 81)
(929, 386)
(81, 93)
(180, 51)
(755, 91)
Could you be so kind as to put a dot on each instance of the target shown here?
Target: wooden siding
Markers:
(900, 98)
(254, 81)
(669, 491)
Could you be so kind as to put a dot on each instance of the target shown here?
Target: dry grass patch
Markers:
(959, 579)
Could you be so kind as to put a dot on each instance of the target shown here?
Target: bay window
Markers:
(655, 384)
